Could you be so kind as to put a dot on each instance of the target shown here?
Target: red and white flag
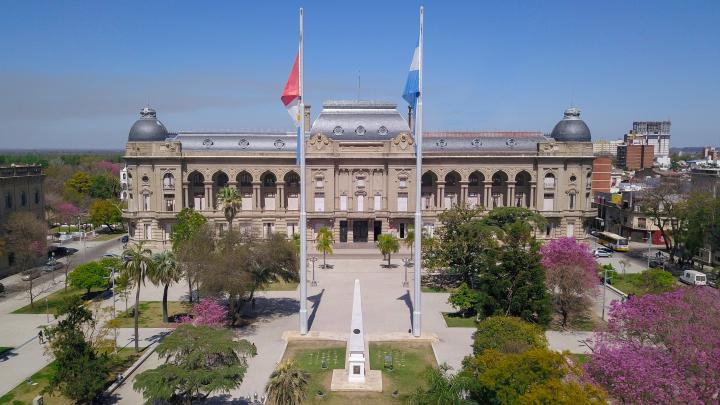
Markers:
(291, 94)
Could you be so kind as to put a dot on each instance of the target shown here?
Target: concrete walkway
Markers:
(21, 331)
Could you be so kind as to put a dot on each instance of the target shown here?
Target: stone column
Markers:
(511, 194)
(350, 230)
(209, 206)
(533, 196)
(186, 194)
(463, 192)
(487, 195)
(257, 205)
(441, 194)
(280, 195)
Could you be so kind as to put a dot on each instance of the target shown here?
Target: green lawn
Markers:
(24, 393)
(455, 320)
(627, 283)
(55, 299)
(410, 360)
(150, 314)
(282, 286)
(586, 323)
(64, 229)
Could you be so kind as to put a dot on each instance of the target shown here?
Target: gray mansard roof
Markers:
(482, 141)
(238, 141)
(360, 120)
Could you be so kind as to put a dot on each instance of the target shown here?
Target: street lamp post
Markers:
(649, 247)
(605, 269)
(406, 264)
(313, 259)
(52, 266)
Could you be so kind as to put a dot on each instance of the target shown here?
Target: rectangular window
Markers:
(268, 229)
(450, 200)
(319, 202)
(549, 182)
(402, 202)
(167, 231)
(426, 199)
(642, 223)
(148, 232)
(169, 203)
(245, 229)
(570, 230)
(343, 203)
(199, 201)
(571, 201)
(292, 228)
(473, 200)
(429, 229)
(377, 204)
(548, 229)
(360, 203)
(270, 201)
(293, 202)
(548, 202)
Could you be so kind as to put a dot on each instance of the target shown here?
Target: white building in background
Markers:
(655, 133)
(606, 148)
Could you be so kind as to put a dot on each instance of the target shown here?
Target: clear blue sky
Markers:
(75, 74)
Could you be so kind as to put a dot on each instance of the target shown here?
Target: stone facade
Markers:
(360, 173)
(21, 189)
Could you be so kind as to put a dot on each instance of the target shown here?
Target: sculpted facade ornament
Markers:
(402, 141)
(319, 141)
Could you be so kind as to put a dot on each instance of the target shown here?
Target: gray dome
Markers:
(147, 128)
(571, 128)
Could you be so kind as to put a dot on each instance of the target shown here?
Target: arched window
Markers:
(550, 180)
(571, 200)
(168, 181)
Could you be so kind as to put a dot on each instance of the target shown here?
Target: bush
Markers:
(507, 335)
(464, 299)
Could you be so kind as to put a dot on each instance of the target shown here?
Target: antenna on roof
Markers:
(572, 96)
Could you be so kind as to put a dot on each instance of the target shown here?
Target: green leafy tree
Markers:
(324, 243)
(464, 299)
(198, 361)
(79, 373)
(557, 392)
(104, 186)
(139, 260)
(656, 281)
(497, 378)
(26, 238)
(188, 223)
(89, 275)
(507, 335)
(388, 244)
(231, 202)
(441, 387)
(165, 271)
(123, 285)
(288, 384)
(196, 255)
(79, 183)
(105, 212)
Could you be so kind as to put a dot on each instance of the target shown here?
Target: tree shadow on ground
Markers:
(408, 302)
(315, 299)
(390, 266)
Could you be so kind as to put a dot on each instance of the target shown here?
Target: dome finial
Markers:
(148, 112)
(572, 113)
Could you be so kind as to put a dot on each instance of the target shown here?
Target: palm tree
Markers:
(442, 388)
(388, 244)
(231, 202)
(138, 259)
(288, 384)
(410, 242)
(324, 242)
(165, 271)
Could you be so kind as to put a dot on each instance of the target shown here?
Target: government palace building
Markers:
(360, 171)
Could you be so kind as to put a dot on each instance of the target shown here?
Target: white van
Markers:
(693, 277)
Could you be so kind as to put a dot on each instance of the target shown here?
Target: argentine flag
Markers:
(412, 86)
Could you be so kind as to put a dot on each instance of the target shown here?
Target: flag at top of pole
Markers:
(291, 94)
(412, 85)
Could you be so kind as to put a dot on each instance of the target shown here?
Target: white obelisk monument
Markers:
(357, 376)
(356, 342)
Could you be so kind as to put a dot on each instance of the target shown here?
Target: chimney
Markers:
(306, 118)
(410, 116)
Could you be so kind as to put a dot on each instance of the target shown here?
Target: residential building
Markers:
(635, 157)
(620, 213)
(606, 148)
(602, 174)
(652, 133)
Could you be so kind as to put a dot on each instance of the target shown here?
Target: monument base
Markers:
(373, 381)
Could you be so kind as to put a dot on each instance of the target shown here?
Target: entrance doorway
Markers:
(343, 231)
(377, 230)
(360, 231)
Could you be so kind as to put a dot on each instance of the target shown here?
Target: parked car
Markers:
(30, 275)
(602, 252)
(656, 264)
(52, 265)
(125, 239)
(693, 277)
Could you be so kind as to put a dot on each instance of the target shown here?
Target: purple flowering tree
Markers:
(570, 276)
(208, 312)
(661, 349)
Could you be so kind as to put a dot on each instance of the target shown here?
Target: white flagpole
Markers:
(303, 213)
(417, 260)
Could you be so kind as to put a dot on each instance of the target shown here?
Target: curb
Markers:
(126, 375)
(622, 294)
